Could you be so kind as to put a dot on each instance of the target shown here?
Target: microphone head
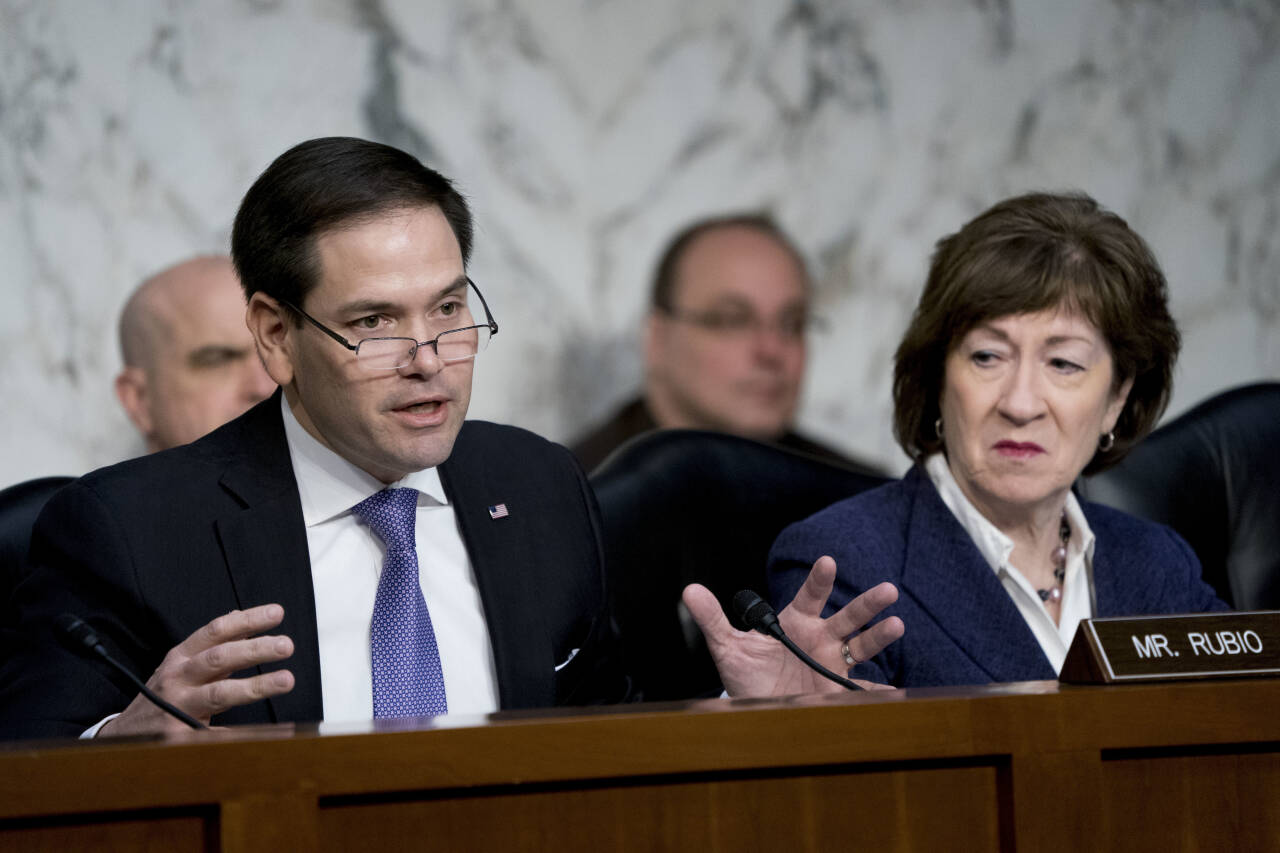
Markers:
(77, 630)
(754, 612)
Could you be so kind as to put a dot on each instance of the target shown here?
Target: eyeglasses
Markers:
(790, 327)
(451, 346)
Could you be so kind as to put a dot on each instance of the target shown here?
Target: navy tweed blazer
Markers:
(961, 625)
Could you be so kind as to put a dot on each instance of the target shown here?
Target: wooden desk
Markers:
(1030, 766)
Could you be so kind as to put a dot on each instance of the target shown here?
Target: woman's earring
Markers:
(937, 427)
(1107, 441)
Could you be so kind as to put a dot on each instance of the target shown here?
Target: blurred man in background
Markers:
(724, 345)
(189, 359)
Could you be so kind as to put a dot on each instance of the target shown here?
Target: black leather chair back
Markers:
(19, 506)
(685, 506)
(1213, 475)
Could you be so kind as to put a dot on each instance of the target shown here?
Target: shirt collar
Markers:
(994, 545)
(329, 485)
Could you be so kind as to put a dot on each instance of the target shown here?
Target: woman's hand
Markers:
(752, 664)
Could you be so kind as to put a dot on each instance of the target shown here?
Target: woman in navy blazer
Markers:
(1042, 347)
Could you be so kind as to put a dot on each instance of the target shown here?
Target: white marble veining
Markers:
(586, 131)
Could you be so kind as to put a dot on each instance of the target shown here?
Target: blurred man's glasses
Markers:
(743, 324)
(450, 346)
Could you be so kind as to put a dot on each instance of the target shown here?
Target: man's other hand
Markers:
(194, 675)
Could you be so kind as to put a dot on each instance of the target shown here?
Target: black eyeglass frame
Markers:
(491, 325)
(709, 320)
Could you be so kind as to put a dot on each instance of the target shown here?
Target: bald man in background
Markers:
(189, 360)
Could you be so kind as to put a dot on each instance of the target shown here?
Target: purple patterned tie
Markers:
(407, 678)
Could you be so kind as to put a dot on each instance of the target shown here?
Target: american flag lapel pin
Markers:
(498, 511)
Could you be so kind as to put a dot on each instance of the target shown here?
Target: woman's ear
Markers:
(1118, 398)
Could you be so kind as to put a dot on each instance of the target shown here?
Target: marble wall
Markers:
(584, 131)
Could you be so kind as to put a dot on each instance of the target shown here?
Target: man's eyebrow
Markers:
(729, 301)
(380, 306)
(211, 353)
(459, 283)
(367, 306)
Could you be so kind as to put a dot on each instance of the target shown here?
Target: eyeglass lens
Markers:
(392, 353)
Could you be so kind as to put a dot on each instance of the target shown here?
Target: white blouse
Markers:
(995, 547)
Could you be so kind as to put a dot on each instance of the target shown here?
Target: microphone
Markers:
(756, 614)
(85, 640)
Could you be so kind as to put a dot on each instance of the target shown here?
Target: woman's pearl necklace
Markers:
(1053, 594)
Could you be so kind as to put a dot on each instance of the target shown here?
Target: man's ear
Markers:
(655, 333)
(131, 388)
(272, 329)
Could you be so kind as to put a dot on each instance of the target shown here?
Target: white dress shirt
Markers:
(995, 547)
(346, 562)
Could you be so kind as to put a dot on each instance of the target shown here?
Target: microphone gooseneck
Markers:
(85, 640)
(756, 614)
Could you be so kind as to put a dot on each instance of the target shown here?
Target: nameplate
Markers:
(1152, 648)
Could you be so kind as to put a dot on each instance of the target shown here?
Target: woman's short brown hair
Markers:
(1033, 253)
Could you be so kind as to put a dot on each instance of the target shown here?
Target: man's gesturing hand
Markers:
(194, 674)
(752, 664)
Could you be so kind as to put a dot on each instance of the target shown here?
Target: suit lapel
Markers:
(949, 579)
(497, 549)
(265, 547)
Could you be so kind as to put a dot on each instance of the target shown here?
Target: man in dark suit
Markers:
(320, 505)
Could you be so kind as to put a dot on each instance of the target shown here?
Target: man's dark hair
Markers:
(662, 297)
(1034, 253)
(322, 185)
